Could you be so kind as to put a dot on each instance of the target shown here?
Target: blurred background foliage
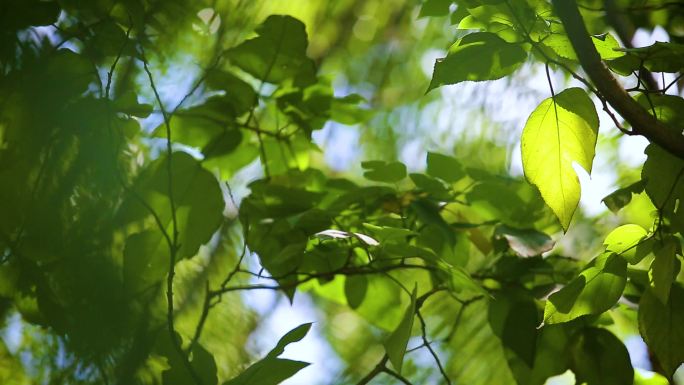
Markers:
(83, 164)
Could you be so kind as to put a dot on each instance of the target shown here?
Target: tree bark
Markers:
(642, 122)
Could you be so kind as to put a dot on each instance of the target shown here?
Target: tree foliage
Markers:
(161, 164)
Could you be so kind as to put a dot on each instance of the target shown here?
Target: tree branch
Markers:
(642, 122)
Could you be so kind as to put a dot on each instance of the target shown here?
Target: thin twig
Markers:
(173, 248)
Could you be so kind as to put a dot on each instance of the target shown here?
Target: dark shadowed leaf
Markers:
(662, 327)
(355, 288)
(600, 358)
(278, 53)
(272, 370)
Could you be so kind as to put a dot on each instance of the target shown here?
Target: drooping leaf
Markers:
(525, 242)
(476, 57)
(662, 327)
(278, 53)
(597, 289)
(395, 345)
(272, 370)
(355, 288)
(600, 358)
(621, 197)
(561, 131)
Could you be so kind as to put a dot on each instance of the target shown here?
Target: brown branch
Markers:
(642, 122)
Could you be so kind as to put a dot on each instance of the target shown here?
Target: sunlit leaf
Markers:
(625, 240)
(476, 57)
(561, 131)
(597, 289)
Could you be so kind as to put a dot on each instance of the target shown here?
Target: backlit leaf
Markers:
(597, 289)
(476, 57)
(561, 131)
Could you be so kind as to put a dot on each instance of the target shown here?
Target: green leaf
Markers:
(660, 56)
(561, 131)
(395, 346)
(444, 167)
(198, 126)
(128, 104)
(277, 53)
(388, 172)
(525, 242)
(476, 57)
(346, 110)
(600, 358)
(664, 176)
(624, 240)
(201, 361)
(461, 281)
(197, 197)
(433, 186)
(669, 109)
(662, 327)
(514, 318)
(355, 288)
(146, 260)
(272, 370)
(664, 268)
(621, 197)
(239, 95)
(597, 289)
(606, 45)
(434, 8)
(387, 233)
